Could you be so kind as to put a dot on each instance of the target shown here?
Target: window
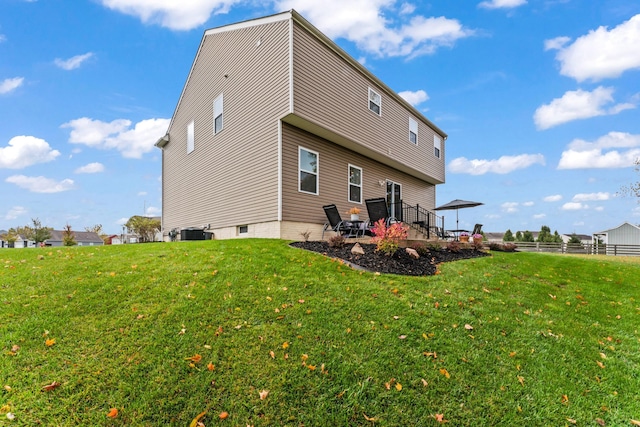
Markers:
(437, 145)
(217, 115)
(355, 184)
(413, 131)
(375, 101)
(308, 171)
(191, 139)
(243, 229)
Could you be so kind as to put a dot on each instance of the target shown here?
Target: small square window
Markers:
(375, 101)
(243, 229)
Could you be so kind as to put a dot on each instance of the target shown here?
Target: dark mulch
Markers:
(399, 263)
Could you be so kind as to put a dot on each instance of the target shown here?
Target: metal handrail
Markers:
(421, 219)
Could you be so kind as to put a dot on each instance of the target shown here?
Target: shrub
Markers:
(477, 244)
(434, 247)
(388, 238)
(421, 248)
(453, 246)
(305, 235)
(502, 247)
(337, 241)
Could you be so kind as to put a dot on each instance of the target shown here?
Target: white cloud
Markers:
(501, 4)
(503, 165)
(577, 105)
(574, 206)
(2, 38)
(407, 9)
(510, 207)
(539, 216)
(365, 23)
(8, 85)
(557, 43)
(142, 193)
(586, 197)
(24, 151)
(175, 15)
(122, 221)
(15, 212)
(414, 98)
(40, 184)
(153, 211)
(72, 63)
(91, 168)
(613, 150)
(528, 204)
(601, 53)
(553, 198)
(599, 208)
(118, 135)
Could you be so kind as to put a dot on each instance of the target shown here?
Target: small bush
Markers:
(477, 244)
(453, 246)
(502, 247)
(305, 235)
(388, 238)
(421, 248)
(337, 241)
(434, 247)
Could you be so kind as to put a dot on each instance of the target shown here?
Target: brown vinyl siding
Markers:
(331, 92)
(230, 178)
(333, 179)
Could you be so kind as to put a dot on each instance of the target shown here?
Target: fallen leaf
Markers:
(402, 337)
(572, 421)
(304, 357)
(15, 348)
(445, 372)
(11, 416)
(311, 367)
(468, 327)
(521, 380)
(372, 419)
(285, 345)
(424, 382)
(264, 394)
(600, 364)
(602, 355)
(196, 420)
(398, 386)
(272, 354)
(7, 387)
(600, 421)
(51, 386)
(635, 423)
(440, 418)
(223, 415)
(565, 399)
(50, 342)
(211, 366)
(113, 413)
(195, 358)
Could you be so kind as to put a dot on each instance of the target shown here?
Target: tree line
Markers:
(544, 236)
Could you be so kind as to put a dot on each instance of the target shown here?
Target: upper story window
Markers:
(437, 145)
(375, 101)
(191, 137)
(307, 171)
(355, 184)
(413, 131)
(217, 115)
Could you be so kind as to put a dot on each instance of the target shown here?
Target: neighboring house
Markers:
(83, 238)
(275, 121)
(585, 239)
(617, 238)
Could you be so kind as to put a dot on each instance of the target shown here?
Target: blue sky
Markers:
(539, 99)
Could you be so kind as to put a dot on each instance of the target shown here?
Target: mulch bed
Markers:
(399, 263)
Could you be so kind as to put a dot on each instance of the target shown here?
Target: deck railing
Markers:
(420, 219)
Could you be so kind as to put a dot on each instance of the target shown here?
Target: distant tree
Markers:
(10, 237)
(527, 236)
(545, 234)
(573, 240)
(508, 236)
(68, 237)
(36, 232)
(518, 236)
(633, 189)
(144, 227)
(556, 237)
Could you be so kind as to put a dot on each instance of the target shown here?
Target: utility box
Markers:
(192, 234)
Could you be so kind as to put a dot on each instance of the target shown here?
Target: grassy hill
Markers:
(254, 332)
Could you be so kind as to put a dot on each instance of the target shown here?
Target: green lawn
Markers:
(164, 332)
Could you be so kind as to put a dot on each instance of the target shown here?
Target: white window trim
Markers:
(369, 100)
(437, 145)
(300, 148)
(219, 100)
(349, 184)
(413, 128)
(191, 137)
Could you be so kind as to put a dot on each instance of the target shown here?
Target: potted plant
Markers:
(354, 212)
(464, 236)
(477, 238)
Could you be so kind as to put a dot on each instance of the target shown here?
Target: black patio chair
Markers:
(377, 210)
(335, 223)
(477, 229)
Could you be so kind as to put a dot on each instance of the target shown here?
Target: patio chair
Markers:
(377, 210)
(444, 234)
(335, 223)
(477, 229)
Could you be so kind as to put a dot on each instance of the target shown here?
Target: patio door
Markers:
(394, 199)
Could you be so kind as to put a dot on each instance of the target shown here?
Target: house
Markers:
(21, 242)
(83, 238)
(618, 240)
(275, 121)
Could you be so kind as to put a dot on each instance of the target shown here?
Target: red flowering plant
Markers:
(388, 238)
